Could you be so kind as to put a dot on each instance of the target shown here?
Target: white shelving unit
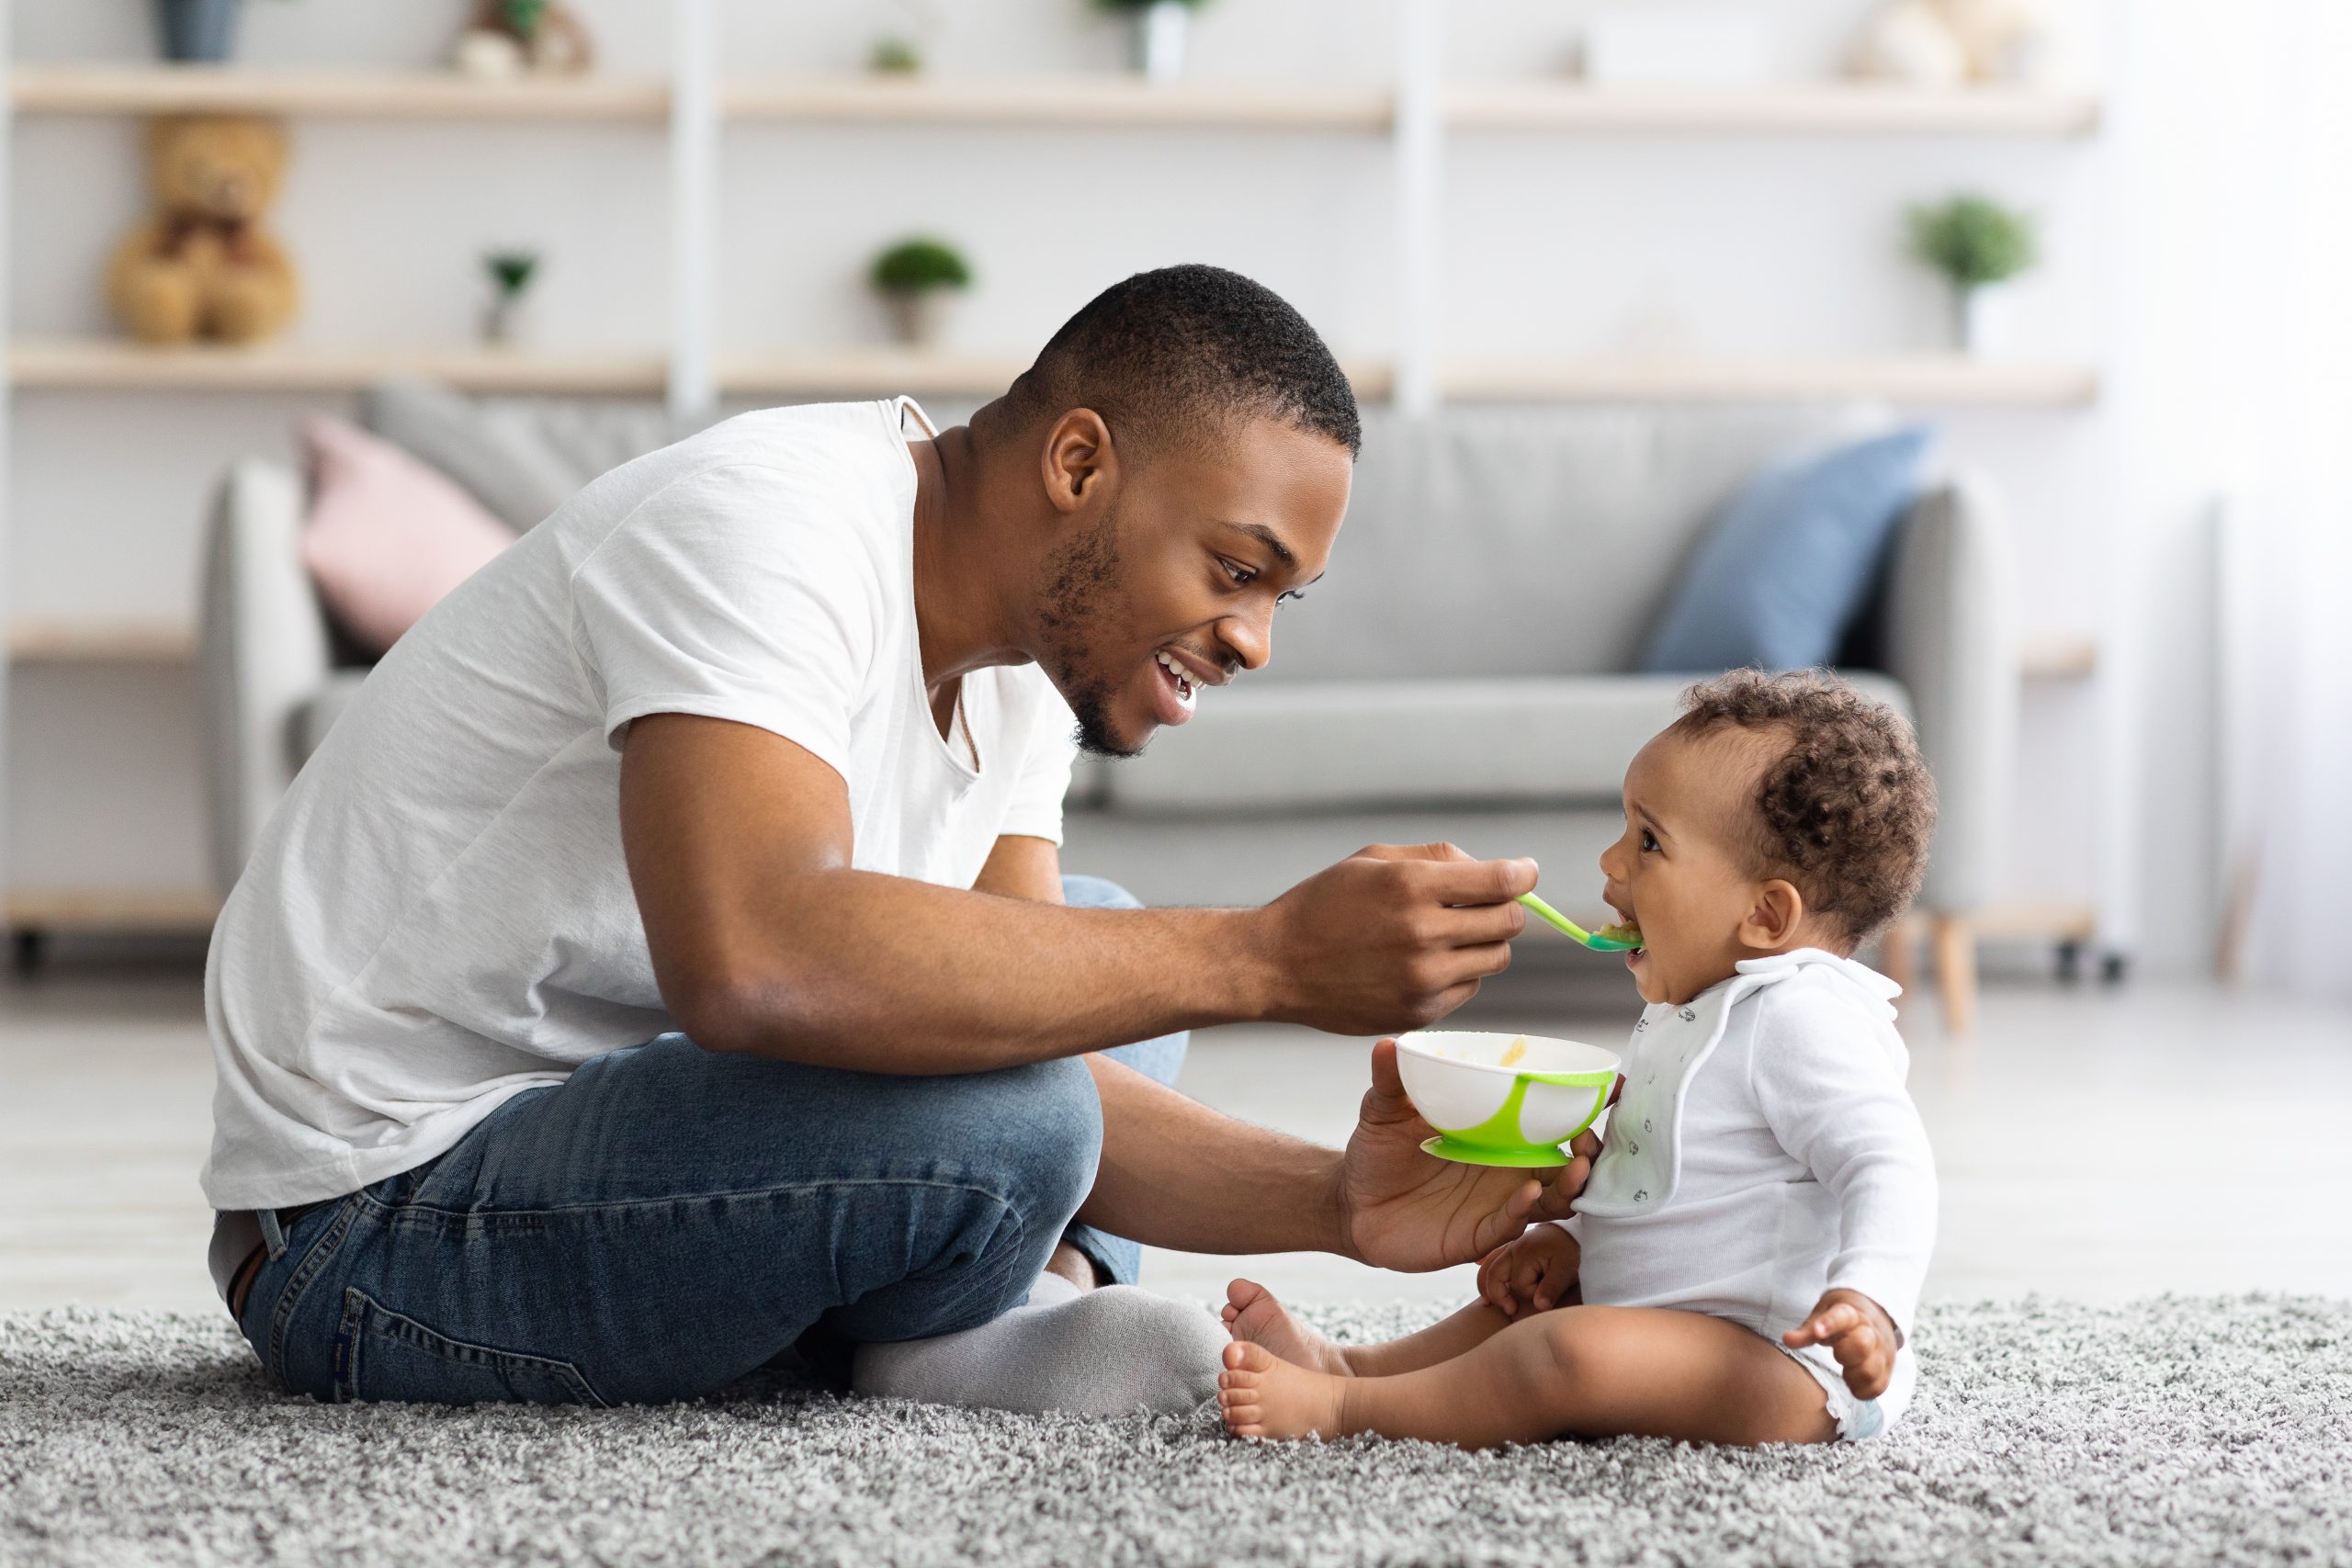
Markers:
(1417, 113)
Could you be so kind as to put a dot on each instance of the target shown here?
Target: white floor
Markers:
(2099, 1145)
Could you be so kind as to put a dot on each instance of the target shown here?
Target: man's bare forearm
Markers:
(889, 974)
(1175, 1173)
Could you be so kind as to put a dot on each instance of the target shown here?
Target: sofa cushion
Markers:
(1529, 541)
(520, 457)
(386, 535)
(1329, 744)
(1336, 744)
(1783, 572)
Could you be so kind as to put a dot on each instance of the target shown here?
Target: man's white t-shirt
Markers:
(437, 917)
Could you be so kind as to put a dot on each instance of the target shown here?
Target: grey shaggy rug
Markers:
(2173, 1431)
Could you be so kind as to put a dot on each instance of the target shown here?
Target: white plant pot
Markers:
(506, 321)
(1159, 39)
(1981, 321)
(917, 316)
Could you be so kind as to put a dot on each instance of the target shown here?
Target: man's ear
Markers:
(1077, 463)
(1773, 916)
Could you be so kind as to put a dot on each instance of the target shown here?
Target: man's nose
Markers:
(1251, 643)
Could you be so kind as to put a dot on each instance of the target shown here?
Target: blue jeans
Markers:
(667, 1220)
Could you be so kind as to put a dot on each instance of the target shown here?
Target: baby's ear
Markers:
(1774, 912)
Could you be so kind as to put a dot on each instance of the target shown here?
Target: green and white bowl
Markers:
(1486, 1113)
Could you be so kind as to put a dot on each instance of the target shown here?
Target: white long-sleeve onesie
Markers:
(1763, 1150)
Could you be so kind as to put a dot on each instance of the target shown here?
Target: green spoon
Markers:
(1575, 932)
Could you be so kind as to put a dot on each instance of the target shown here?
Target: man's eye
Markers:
(1287, 594)
(1242, 576)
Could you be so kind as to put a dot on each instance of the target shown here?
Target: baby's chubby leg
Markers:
(1252, 1315)
(1581, 1370)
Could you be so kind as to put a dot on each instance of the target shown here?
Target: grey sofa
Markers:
(1459, 675)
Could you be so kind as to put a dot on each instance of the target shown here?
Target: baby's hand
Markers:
(1859, 1333)
(1537, 1271)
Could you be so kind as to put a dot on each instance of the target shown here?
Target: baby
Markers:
(1744, 1265)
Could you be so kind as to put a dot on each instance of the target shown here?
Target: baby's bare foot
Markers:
(1264, 1396)
(1254, 1316)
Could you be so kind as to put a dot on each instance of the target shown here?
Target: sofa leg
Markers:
(1956, 971)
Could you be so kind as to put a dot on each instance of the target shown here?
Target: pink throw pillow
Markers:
(387, 535)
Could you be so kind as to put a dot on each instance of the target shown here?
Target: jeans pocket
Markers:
(383, 1355)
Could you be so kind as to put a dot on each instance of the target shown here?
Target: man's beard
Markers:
(1078, 589)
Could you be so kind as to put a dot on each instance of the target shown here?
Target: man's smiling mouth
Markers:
(1174, 671)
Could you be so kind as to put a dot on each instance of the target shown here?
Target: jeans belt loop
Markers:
(272, 1236)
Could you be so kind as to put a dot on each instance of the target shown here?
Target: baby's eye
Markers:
(1649, 842)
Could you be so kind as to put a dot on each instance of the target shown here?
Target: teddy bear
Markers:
(1945, 43)
(203, 266)
(507, 38)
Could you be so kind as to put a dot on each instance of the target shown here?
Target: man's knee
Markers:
(1046, 1122)
(1097, 893)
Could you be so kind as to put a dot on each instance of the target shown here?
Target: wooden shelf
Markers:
(2058, 658)
(331, 94)
(1941, 380)
(1809, 107)
(1096, 100)
(111, 364)
(103, 364)
(101, 642)
(882, 371)
(1058, 101)
(97, 910)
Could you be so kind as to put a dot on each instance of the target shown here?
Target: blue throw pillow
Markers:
(1781, 574)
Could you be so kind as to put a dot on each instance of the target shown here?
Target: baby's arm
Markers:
(1834, 1098)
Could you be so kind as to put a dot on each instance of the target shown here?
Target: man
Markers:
(667, 954)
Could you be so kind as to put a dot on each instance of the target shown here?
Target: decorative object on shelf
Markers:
(1947, 43)
(1978, 245)
(895, 55)
(1638, 45)
(203, 266)
(914, 279)
(514, 37)
(1160, 28)
(197, 30)
(510, 274)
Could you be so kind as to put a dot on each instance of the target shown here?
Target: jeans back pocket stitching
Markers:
(290, 1297)
(359, 1306)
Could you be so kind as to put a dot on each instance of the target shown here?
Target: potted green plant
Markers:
(894, 55)
(915, 278)
(1161, 27)
(1978, 245)
(510, 274)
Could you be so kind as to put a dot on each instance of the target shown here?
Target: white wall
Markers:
(1551, 244)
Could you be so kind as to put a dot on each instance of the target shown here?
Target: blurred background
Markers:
(2013, 334)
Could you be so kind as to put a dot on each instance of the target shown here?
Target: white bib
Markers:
(1641, 1158)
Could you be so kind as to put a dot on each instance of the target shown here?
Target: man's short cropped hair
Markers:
(1184, 353)
(1845, 808)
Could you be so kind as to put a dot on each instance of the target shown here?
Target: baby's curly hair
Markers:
(1846, 807)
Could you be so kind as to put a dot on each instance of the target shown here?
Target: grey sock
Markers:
(1104, 1352)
